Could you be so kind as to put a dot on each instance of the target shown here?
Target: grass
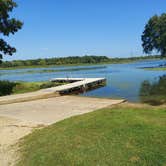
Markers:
(119, 136)
(154, 99)
(23, 87)
(156, 68)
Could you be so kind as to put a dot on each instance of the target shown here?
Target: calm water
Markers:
(123, 80)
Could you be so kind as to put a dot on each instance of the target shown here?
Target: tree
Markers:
(7, 26)
(154, 35)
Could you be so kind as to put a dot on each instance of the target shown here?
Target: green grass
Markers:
(23, 87)
(117, 136)
(156, 68)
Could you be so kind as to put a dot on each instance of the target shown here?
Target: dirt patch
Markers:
(11, 131)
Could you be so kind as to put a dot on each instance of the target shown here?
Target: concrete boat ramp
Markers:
(73, 85)
(51, 110)
(20, 114)
(19, 119)
(48, 105)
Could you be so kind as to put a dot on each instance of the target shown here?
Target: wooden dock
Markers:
(74, 84)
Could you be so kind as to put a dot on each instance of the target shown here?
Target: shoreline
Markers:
(154, 68)
(79, 64)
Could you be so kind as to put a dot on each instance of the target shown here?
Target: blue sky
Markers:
(55, 28)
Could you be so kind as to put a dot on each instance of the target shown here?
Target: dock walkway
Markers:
(75, 83)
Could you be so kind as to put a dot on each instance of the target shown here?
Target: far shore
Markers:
(120, 61)
(155, 68)
(79, 64)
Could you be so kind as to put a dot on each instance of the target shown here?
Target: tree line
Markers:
(72, 60)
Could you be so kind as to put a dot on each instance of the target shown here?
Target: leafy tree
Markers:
(7, 26)
(154, 35)
(42, 62)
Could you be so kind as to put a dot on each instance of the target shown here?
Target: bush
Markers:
(6, 87)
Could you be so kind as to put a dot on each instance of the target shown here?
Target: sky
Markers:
(60, 28)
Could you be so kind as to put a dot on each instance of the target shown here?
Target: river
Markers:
(123, 80)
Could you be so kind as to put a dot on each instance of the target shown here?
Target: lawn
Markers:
(117, 136)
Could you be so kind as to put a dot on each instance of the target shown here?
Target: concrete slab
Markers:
(51, 110)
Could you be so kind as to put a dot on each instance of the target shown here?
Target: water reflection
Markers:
(154, 93)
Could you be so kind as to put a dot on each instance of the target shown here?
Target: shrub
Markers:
(6, 87)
